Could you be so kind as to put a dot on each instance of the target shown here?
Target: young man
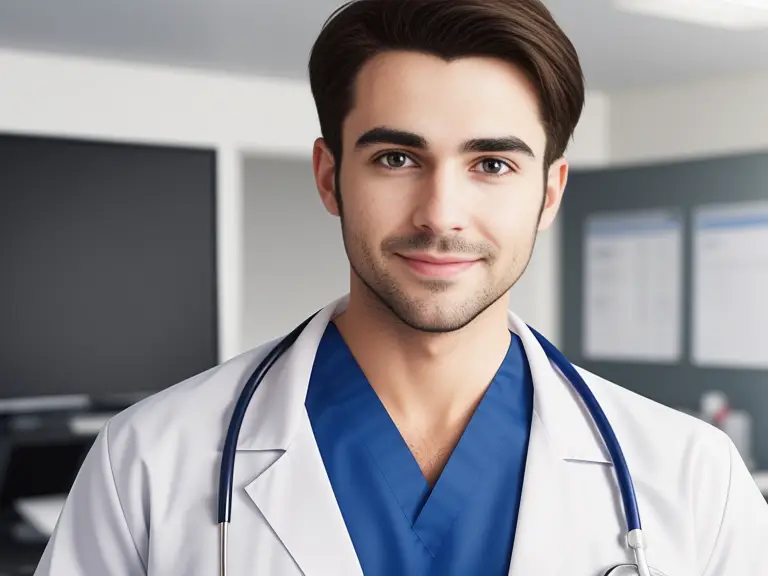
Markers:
(417, 427)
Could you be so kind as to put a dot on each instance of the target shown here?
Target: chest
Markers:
(431, 449)
(286, 521)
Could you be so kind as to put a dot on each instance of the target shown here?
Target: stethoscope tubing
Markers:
(624, 478)
(227, 470)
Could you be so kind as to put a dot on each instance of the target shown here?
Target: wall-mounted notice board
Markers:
(665, 281)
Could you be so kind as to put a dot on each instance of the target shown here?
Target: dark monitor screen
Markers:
(107, 267)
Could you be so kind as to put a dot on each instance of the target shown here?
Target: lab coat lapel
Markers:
(539, 535)
(562, 433)
(294, 494)
(296, 498)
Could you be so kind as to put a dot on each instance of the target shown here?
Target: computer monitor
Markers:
(107, 267)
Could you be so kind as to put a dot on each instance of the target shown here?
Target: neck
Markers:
(427, 381)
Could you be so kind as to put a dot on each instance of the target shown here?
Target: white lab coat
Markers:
(144, 502)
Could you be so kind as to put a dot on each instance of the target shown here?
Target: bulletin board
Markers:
(646, 253)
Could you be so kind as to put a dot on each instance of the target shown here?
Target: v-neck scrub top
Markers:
(399, 526)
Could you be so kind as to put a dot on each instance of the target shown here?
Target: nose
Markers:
(441, 204)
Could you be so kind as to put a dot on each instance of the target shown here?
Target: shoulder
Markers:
(664, 438)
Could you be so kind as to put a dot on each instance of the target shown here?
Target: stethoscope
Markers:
(635, 536)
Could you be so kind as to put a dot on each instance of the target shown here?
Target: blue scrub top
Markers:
(397, 523)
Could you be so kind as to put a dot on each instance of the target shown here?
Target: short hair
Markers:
(521, 32)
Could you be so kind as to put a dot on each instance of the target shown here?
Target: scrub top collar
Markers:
(277, 411)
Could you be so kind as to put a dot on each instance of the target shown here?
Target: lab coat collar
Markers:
(563, 416)
(277, 409)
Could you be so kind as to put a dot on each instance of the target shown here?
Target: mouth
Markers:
(438, 266)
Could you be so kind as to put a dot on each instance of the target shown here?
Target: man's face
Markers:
(443, 185)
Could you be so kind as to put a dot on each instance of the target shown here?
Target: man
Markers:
(416, 427)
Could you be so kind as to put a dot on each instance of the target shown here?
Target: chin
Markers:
(434, 326)
(436, 313)
(431, 305)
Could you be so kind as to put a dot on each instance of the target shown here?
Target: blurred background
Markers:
(158, 214)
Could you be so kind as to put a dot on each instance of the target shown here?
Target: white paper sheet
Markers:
(633, 287)
(730, 286)
(41, 512)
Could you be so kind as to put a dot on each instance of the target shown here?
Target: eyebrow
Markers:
(383, 135)
(505, 144)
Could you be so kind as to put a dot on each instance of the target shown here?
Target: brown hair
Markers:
(518, 31)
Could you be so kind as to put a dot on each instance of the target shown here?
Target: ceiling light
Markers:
(732, 14)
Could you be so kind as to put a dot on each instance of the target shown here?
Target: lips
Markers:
(438, 265)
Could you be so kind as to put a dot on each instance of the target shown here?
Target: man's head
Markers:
(444, 124)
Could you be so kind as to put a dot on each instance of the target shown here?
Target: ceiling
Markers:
(273, 37)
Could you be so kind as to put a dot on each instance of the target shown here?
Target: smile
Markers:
(437, 266)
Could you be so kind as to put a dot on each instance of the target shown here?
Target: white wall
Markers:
(720, 116)
(294, 259)
(81, 97)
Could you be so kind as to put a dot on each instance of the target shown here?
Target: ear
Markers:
(324, 166)
(557, 177)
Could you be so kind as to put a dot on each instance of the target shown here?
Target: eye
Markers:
(394, 160)
(494, 166)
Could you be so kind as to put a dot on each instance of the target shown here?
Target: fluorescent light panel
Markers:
(731, 14)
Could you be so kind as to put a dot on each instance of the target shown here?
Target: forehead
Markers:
(446, 102)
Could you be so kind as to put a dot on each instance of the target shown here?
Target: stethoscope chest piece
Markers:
(630, 570)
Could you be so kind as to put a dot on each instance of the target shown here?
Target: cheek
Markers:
(372, 208)
(512, 223)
